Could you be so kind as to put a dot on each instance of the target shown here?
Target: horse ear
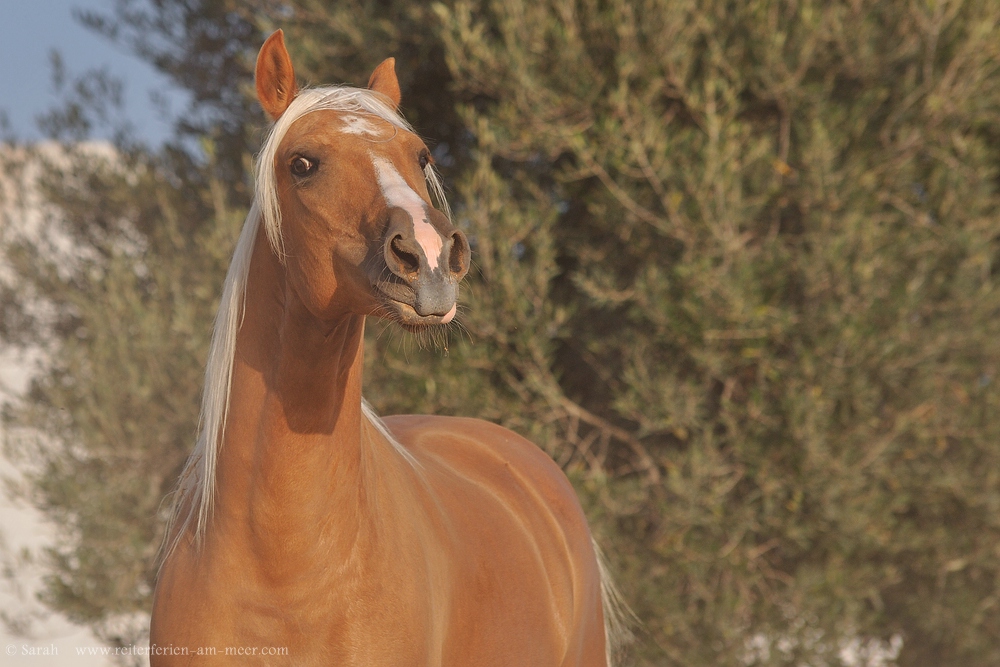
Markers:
(275, 76)
(383, 80)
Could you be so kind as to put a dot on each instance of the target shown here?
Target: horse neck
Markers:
(290, 465)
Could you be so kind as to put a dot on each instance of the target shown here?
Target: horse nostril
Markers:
(458, 259)
(408, 262)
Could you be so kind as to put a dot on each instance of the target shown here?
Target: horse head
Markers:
(352, 217)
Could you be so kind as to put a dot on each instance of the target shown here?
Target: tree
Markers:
(115, 288)
(774, 232)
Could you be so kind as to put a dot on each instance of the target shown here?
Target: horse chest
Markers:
(224, 608)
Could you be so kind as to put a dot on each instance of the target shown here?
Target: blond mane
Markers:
(195, 494)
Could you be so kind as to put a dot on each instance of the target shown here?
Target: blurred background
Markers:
(46, 47)
(736, 271)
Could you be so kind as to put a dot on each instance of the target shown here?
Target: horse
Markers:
(305, 530)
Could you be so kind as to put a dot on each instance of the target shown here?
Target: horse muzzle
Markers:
(426, 260)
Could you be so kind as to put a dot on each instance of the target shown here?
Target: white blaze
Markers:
(398, 193)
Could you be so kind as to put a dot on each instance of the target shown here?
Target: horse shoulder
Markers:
(504, 460)
(520, 547)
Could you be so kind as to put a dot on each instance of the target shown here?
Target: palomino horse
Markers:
(306, 531)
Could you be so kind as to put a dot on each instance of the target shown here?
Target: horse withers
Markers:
(307, 531)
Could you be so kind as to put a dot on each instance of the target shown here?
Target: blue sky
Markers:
(33, 29)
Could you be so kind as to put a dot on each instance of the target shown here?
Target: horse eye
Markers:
(304, 166)
(425, 159)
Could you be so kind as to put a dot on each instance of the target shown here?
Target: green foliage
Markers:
(775, 246)
(734, 270)
(114, 288)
